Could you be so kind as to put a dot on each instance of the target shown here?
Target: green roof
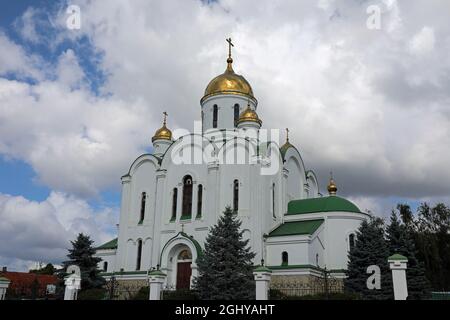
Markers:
(156, 273)
(398, 257)
(262, 269)
(324, 204)
(109, 245)
(297, 228)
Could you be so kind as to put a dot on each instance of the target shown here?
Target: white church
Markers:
(171, 198)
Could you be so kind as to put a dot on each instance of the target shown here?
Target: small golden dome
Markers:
(163, 133)
(229, 82)
(332, 188)
(287, 144)
(249, 115)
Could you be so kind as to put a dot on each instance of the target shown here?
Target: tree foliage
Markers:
(226, 268)
(430, 230)
(82, 255)
(401, 241)
(370, 249)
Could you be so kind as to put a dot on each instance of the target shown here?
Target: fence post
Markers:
(398, 265)
(4, 284)
(156, 278)
(262, 281)
(73, 284)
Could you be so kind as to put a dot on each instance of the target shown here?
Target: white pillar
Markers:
(4, 284)
(398, 265)
(156, 280)
(73, 284)
(262, 282)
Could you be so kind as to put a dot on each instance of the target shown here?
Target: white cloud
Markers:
(373, 106)
(14, 60)
(41, 231)
(423, 42)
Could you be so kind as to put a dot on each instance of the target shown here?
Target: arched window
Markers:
(236, 196)
(143, 197)
(199, 200)
(273, 200)
(174, 204)
(236, 114)
(351, 241)
(139, 255)
(187, 197)
(215, 115)
(105, 266)
(284, 258)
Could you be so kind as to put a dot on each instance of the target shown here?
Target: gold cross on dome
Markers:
(165, 117)
(287, 134)
(230, 44)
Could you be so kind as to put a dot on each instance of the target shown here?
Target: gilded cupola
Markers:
(229, 82)
(163, 133)
(332, 188)
(249, 115)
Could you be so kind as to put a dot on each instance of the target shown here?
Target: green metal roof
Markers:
(109, 245)
(156, 273)
(398, 257)
(261, 269)
(324, 204)
(296, 228)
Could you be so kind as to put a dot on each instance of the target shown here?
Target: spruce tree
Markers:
(401, 241)
(82, 255)
(226, 268)
(370, 249)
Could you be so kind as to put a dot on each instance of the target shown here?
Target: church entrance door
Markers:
(183, 275)
(184, 270)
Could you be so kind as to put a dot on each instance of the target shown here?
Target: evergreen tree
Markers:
(82, 255)
(433, 242)
(226, 268)
(48, 269)
(370, 249)
(401, 241)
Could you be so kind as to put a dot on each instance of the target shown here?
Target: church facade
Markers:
(171, 198)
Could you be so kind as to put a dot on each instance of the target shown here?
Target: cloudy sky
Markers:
(77, 106)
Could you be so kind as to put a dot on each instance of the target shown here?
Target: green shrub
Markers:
(142, 294)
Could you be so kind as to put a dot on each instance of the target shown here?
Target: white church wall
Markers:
(316, 248)
(108, 256)
(338, 226)
(297, 248)
(313, 185)
(296, 176)
(225, 105)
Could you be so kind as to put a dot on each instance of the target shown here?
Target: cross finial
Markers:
(165, 117)
(230, 44)
(287, 134)
(331, 175)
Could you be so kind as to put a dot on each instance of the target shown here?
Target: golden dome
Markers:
(163, 133)
(249, 115)
(287, 144)
(332, 188)
(229, 82)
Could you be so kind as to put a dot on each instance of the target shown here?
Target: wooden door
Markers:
(184, 275)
